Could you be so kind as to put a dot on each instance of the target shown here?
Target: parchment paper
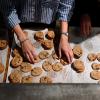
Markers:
(67, 75)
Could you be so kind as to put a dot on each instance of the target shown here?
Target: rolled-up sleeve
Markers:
(8, 10)
(13, 19)
(65, 10)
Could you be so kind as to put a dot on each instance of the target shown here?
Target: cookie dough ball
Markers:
(47, 44)
(95, 74)
(45, 79)
(43, 55)
(15, 76)
(36, 59)
(54, 55)
(16, 61)
(78, 66)
(95, 66)
(77, 51)
(92, 57)
(16, 52)
(1, 68)
(50, 35)
(39, 36)
(57, 67)
(25, 67)
(3, 44)
(36, 71)
(64, 61)
(47, 65)
(98, 56)
(27, 79)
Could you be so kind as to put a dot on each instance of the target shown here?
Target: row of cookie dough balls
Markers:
(40, 37)
(25, 67)
(16, 77)
(36, 71)
(95, 74)
(77, 51)
(44, 54)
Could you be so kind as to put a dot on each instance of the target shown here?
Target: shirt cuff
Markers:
(65, 10)
(65, 15)
(13, 19)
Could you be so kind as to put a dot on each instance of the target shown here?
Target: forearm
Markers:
(19, 32)
(63, 26)
(64, 29)
(13, 22)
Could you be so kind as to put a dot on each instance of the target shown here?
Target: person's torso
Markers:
(42, 11)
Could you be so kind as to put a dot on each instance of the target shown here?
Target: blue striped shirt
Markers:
(39, 11)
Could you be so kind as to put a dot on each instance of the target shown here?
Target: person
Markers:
(38, 11)
(86, 14)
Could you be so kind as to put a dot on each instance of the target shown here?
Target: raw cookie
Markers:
(57, 66)
(47, 44)
(15, 76)
(16, 52)
(39, 36)
(27, 79)
(36, 71)
(45, 79)
(92, 57)
(50, 35)
(25, 67)
(47, 65)
(64, 61)
(36, 59)
(95, 74)
(3, 44)
(54, 55)
(1, 68)
(43, 55)
(78, 66)
(95, 66)
(77, 51)
(98, 56)
(16, 61)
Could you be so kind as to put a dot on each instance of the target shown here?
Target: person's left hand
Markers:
(85, 25)
(65, 48)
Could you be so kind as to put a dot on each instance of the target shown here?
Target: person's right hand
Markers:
(29, 51)
(85, 25)
(26, 45)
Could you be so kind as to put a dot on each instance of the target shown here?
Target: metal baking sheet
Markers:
(67, 75)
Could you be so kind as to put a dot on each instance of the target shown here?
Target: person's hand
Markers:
(85, 25)
(65, 48)
(26, 45)
(29, 51)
